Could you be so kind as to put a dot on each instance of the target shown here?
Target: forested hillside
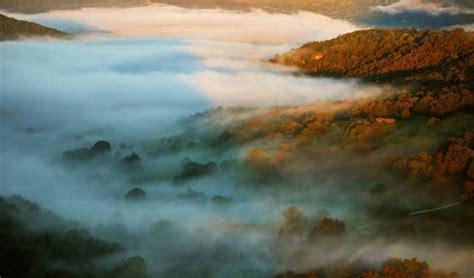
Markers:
(390, 54)
(37, 6)
(38, 243)
(12, 29)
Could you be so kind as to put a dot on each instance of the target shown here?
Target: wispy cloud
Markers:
(421, 6)
(257, 88)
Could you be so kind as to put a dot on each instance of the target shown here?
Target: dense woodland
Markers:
(38, 243)
(391, 268)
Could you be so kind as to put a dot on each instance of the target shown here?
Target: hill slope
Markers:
(389, 54)
(12, 29)
(37, 6)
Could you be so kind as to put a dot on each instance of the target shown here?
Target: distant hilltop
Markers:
(12, 29)
(334, 8)
(431, 14)
(38, 6)
(389, 54)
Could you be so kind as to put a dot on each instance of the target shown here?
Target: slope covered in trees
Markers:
(37, 6)
(12, 29)
(38, 243)
(392, 267)
(390, 54)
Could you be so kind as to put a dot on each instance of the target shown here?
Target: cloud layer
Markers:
(421, 6)
(256, 27)
(160, 64)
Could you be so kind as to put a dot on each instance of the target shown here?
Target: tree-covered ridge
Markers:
(392, 267)
(38, 243)
(390, 54)
(38, 6)
(12, 29)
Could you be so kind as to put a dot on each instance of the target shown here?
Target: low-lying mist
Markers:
(134, 78)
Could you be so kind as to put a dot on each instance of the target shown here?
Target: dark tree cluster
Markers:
(132, 159)
(27, 250)
(191, 169)
(87, 154)
(135, 194)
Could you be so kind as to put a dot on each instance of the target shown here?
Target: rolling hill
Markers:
(389, 54)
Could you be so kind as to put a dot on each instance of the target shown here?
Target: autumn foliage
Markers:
(391, 268)
(407, 54)
(408, 268)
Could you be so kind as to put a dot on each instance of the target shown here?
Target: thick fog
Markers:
(135, 75)
(132, 88)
